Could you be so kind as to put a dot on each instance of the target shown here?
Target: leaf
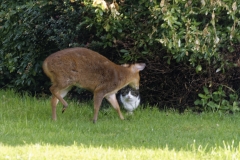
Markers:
(225, 102)
(235, 107)
(198, 102)
(234, 6)
(216, 97)
(124, 51)
(198, 68)
(212, 105)
(235, 103)
(203, 96)
(119, 30)
(107, 27)
(205, 89)
(234, 96)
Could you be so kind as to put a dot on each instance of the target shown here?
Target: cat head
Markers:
(128, 90)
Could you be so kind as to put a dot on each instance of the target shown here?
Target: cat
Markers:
(129, 98)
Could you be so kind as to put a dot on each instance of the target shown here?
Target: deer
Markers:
(87, 69)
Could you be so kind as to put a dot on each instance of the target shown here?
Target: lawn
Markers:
(27, 132)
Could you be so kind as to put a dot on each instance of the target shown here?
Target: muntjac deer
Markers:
(87, 69)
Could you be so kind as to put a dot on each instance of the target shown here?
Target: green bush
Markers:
(196, 30)
(29, 32)
(218, 101)
(189, 31)
(198, 34)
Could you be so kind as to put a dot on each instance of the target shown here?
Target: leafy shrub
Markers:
(180, 40)
(218, 101)
(195, 30)
(29, 32)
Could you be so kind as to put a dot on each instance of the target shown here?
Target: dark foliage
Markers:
(183, 43)
(177, 85)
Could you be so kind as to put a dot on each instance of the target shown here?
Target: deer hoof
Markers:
(64, 108)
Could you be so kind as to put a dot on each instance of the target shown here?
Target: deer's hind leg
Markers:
(58, 95)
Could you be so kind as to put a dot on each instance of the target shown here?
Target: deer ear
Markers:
(139, 66)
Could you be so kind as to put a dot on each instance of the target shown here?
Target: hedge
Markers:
(200, 35)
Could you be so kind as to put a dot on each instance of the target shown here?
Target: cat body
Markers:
(129, 98)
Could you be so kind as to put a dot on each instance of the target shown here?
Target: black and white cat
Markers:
(129, 98)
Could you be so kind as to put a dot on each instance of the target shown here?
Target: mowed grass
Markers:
(27, 132)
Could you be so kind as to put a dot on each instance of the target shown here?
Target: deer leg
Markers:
(97, 98)
(63, 93)
(113, 101)
(57, 95)
(54, 102)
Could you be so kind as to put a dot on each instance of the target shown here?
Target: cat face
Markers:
(129, 98)
(129, 91)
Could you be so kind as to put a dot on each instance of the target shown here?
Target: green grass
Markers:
(27, 132)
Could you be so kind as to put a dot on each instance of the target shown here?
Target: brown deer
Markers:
(87, 69)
